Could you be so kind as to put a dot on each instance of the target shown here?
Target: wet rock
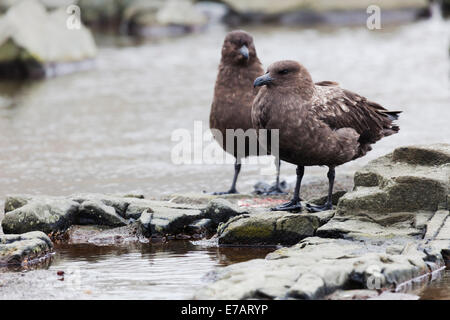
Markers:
(362, 294)
(144, 223)
(445, 5)
(312, 12)
(334, 198)
(135, 210)
(44, 214)
(102, 14)
(357, 229)
(53, 214)
(131, 195)
(18, 249)
(429, 155)
(97, 213)
(395, 196)
(267, 228)
(202, 226)
(395, 249)
(24, 52)
(308, 286)
(315, 268)
(444, 231)
(13, 202)
(172, 221)
(167, 220)
(203, 198)
(102, 235)
(162, 18)
(221, 210)
(409, 179)
(262, 188)
(324, 216)
(386, 295)
(438, 225)
(119, 204)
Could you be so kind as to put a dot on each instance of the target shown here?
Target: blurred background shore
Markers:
(134, 71)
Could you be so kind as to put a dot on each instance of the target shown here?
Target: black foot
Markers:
(231, 191)
(265, 189)
(276, 189)
(291, 206)
(325, 207)
(273, 191)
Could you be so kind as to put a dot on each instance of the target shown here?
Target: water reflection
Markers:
(439, 289)
(173, 270)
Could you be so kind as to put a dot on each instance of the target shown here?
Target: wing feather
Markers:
(340, 108)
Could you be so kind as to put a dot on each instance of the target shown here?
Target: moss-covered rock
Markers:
(47, 215)
(52, 214)
(17, 249)
(13, 202)
(267, 228)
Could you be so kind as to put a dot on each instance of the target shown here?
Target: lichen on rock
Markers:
(18, 249)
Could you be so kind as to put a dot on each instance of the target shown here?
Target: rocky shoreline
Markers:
(392, 228)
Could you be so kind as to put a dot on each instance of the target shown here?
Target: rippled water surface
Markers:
(109, 130)
(438, 289)
(143, 271)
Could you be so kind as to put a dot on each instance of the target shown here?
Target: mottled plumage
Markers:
(320, 124)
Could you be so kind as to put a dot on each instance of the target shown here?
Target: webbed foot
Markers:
(292, 206)
(319, 208)
(219, 193)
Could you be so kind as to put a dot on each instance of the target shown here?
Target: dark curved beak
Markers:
(263, 80)
(244, 51)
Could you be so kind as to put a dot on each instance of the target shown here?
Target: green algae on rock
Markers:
(18, 249)
(46, 215)
(267, 228)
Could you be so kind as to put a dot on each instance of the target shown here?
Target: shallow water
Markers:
(109, 130)
(142, 271)
(438, 289)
